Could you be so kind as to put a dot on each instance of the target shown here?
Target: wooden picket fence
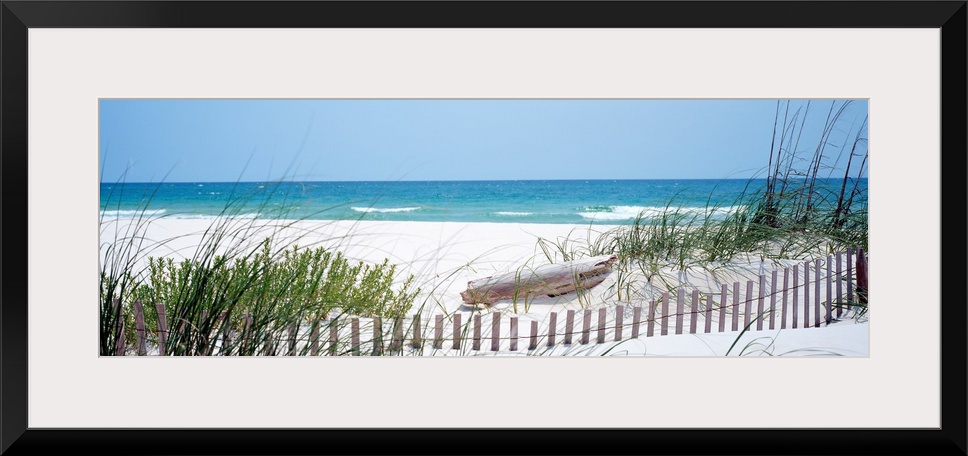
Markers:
(808, 295)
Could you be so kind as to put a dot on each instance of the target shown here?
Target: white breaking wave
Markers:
(132, 213)
(630, 212)
(513, 214)
(385, 209)
(248, 216)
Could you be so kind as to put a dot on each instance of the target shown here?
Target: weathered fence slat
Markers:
(162, 329)
(773, 299)
(650, 324)
(139, 327)
(417, 340)
(709, 314)
(227, 336)
(665, 314)
(806, 294)
(534, 335)
(355, 336)
(457, 332)
(636, 321)
(601, 326)
(314, 339)
(850, 277)
(796, 293)
(247, 331)
(722, 307)
(735, 308)
(816, 293)
(438, 331)
(694, 312)
(748, 305)
(204, 334)
(760, 303)
(377, 336)
(333, 337)
(840, 283)
(552, 328)
(569, 325)
(293, 329)
(477, 332)
(680, 304)
(830, 291)
(783, 301)
(586, 326)
(619, 321)
(119, 329)
(396, 340)
(514, 334)
(862, 276)
(496, 332)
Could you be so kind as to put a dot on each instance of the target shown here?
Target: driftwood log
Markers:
(550, 279)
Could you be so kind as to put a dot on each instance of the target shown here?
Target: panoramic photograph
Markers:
(483, 227)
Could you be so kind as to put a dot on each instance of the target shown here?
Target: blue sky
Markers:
(352, 140)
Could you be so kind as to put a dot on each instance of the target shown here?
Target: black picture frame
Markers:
(18, 16)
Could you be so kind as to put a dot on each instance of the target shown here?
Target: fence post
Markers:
(202, 336)
(496, 332)
(438, 331)
(416, 341)
(396, 339)
(569, 325)
(722, 307)
(333, 337)
(664, 329)
(830, 290)
(850, 277)
(355, 336)
(534, 335)
(162, 329)
(226, 324)
(796, 293)
(601, 325)
(694, 313)
(457, 332)
(816, 292)
(377, 336)
(246, 331)
(773, 300)
(314, 339)
(650, 324)
(748, 305)
(862, 276)
(760, 303)
(680, 304)
(514, 334)
(735, 306)
(806, 294)
(619, 321)
(636, 321)
(586, 325)
(783, 305)
(552, 328)
(840, 285)
(709, 314)
(293, 332)
(119, 328)
(477, 332)
(139, 326)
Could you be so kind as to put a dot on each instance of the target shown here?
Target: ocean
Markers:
(520, 201)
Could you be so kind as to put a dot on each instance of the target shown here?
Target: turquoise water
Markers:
(532, 201)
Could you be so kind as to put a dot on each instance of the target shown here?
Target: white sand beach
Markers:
(445, 256)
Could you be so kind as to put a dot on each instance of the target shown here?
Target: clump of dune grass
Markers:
(242, 290)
